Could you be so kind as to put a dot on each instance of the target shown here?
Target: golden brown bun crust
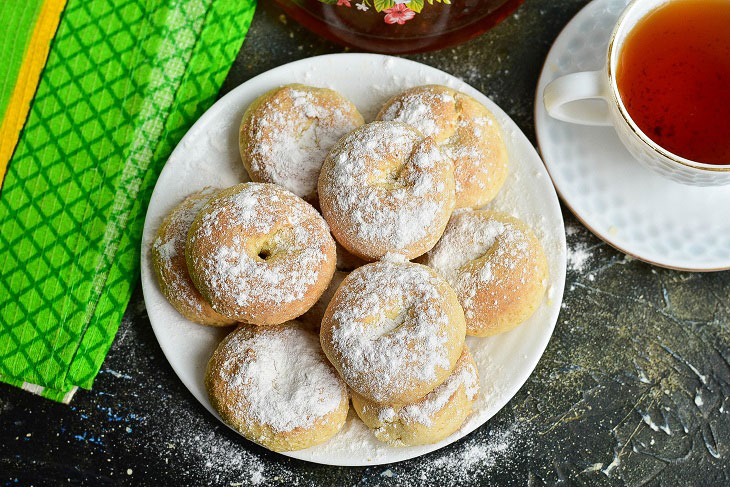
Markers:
(384, 188)
(285, 135)
(430, 419)
(394, 331)
(275, 386)
(497, 267)
(259, 254)
(168, 259)
(466, 131)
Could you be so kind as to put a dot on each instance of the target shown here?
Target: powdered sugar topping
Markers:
(279, 377)
(423, 411)
(292, 133)
(499, 246)
(394, 187)
(389, 328)
(465, 131)
(416, 110)
(169, 248)
(268, 246)
(465, 239)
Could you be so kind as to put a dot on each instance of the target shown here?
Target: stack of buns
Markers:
(354, 264)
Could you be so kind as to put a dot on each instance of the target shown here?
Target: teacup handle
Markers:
(574, 98)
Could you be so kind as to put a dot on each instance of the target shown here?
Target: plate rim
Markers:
(539, 110)
(558, 282)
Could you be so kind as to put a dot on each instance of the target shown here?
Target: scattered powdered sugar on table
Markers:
(389, 184)
(227, 460)
(289, 143)
(191, 438)
(467, 462)
(578, 256)
(279, 377)
(380, 352)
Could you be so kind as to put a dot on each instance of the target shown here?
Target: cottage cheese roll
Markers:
(168, 259)
(497, 267)
(275, 386)
(384, 188)
(286, 133)
(465, 130)
(259, 254)
(394, 331)
(430, 419)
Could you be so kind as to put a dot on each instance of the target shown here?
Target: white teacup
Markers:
(593, 98)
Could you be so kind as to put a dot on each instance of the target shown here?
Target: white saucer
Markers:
(633, 209)
(208, 156)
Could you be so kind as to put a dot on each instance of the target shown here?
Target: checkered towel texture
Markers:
(123, 81)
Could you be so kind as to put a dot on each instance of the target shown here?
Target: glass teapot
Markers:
(399, 26)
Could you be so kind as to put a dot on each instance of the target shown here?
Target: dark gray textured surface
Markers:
(633, 388)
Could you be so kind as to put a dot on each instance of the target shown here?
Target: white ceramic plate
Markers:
(632, 208)
(208, 156)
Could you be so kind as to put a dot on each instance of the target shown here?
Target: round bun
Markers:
(497, 267)
(168, 259)
(259, 254)
(393, 330)
(430, 419)
(275, 387)
(465, 130)
(286, 133)
(384, 188)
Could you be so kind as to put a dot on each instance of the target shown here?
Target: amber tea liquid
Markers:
(674, 78)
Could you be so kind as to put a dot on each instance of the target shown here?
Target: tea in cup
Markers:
(665, 88)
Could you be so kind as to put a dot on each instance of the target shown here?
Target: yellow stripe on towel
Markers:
(27, 80)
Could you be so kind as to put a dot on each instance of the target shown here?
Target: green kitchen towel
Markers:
(123, 81)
